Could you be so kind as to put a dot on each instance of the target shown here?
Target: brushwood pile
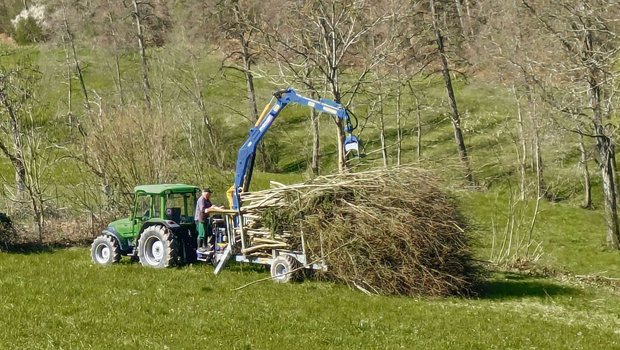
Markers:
(391, 232)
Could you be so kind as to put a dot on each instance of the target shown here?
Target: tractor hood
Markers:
(120, 222)
(122, 227)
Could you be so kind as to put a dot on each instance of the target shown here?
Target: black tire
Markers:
(105, 250)
(281, 268)
(157, 247)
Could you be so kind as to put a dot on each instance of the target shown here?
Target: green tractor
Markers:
(160, 232)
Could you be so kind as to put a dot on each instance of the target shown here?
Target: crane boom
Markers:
(282, 98)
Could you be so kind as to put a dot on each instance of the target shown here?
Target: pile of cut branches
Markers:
(384, 231)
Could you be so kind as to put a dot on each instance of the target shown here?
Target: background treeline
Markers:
(100, 95)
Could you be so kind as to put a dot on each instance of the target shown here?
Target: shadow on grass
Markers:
(32, 248)
(515, 286)
(242, 267)
(293, 166)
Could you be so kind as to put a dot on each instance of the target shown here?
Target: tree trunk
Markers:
(587, 185)
(249, 80)
(399, 128)
(523, 146)
(17, 157)
(38, 214)
(382, 131)
(604, 143)
(459, 12)
(213, 142)
(538, 161)
(342, 164)
(20, 167)
(418, 142)
(146, 85)
(605, 146)
(615, 172)
(542, 187)
(76, 62)
(69, 85)
(117, 67)
(469, 21)
(455, 118)
(316, 160)
(263, 159)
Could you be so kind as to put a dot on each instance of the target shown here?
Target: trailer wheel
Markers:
(157, 247)
(105, 250)
(283, 269)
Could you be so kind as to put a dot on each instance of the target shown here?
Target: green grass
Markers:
(572, 239)
(59, 300)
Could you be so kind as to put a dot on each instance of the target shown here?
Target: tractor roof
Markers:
(161, 188)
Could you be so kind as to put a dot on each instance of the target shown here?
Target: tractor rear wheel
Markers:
(157, 247)
(283, 269)
(105, 250)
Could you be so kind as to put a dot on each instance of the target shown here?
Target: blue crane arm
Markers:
(282, 98)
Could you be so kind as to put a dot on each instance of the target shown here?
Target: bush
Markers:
(7, 231)
(28, 31)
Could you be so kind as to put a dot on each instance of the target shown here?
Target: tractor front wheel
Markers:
(105, 250)
(285, 269)
(157, 247)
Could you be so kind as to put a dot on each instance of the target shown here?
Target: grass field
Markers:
(59, 300)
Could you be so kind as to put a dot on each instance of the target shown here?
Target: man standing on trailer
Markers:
(203, 206)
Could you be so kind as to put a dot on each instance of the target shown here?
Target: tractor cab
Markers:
(165, 202)
(160, 230)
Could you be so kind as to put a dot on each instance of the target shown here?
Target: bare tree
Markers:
(381, 112)
(240, 20)
(513, 50)
(30, 154)
(244, 32)
(200, 127)
(454, 116)
(588, 36)
(399, 124)
(294, 73)
(40, 160)
(587, 183)
(522, 147)
(331, 36)
(138, 16)
(115, 51)
(70, 47)
(11, 107)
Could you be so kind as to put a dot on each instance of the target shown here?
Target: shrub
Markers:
(28, 31)
(7, 231)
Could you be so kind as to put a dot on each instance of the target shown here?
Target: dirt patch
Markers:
(6, 39)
